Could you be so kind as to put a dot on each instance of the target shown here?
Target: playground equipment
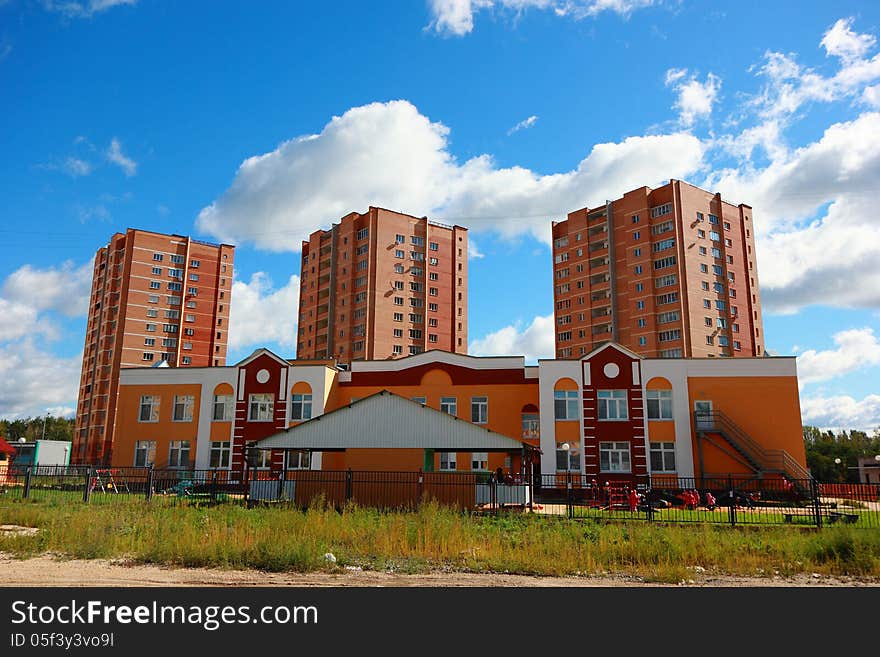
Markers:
(106, 481)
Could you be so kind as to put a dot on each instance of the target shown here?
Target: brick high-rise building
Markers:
(154, 298)
(381, 285)
(668, 272)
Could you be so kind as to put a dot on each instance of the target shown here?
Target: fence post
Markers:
(531, 487)
(148, 494)
(732, 508)
(26, 493)
(348, 485)
(213, 485)
(568, 500)
(420, 488)
(281, 479)
(814, 491)
(87, 491)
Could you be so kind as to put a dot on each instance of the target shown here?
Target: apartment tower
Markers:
(156, 299)
(383, 284)
(668, 273)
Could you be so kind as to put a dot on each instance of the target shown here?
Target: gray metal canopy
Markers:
(386, 420)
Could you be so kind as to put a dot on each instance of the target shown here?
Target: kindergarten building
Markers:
(611, 415)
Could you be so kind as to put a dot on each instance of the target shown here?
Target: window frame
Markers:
(176, 449)
(566, 406)
(611, 448)
(662, 407)
(480, 410)
(155, 405)
(604, 399)
(181, 401)
(263, 406)
(147, 449)
(303, 403)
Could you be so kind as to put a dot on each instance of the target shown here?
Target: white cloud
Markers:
(388, 154)
(871, 96)
(789, 85)
(33, 381)
(815, 262)
(534, 342)
(260, 314)
(456, 17)
(474, 252)
(72, 9)
(841, 41)
(841, 412)
(77, 167)
(116, 156)
(17, 320)
(63, 289)
(856, 349)
(695, 98)
(522, 125)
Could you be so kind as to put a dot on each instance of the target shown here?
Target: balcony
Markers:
(601, 312)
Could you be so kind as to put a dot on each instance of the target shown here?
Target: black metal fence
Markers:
(301, 488)
(727, 499)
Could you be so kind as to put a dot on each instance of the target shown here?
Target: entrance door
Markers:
(703, 415)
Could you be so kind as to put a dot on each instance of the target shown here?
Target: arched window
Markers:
(301, 402)
(658, 399)
(530, 422)
(566, 400)
(224, 404)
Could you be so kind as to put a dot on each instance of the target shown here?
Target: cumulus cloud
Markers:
(841, 412)
(260, 313)
(391, 155)
(522, 125)
(64, 289)
(856, 349)
(456, 17)
(18, 320)
(534, 341)
(695, 98)
(116, 156)
(871, 96)
(33, 381)
(814, 218)
(841, 41)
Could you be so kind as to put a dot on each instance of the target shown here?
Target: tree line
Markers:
(37, 428)
(824, 447)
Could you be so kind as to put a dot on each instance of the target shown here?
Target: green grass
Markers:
(284, 539)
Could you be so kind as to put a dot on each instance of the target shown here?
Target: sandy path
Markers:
(48, 571)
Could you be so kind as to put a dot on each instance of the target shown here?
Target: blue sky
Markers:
(256, 123)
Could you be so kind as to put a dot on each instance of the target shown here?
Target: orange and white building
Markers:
(611, 414)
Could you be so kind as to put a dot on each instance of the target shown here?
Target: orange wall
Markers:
(505, 401)
(766, 408)
(164, 431)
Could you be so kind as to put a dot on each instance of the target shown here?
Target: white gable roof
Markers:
(386, 420)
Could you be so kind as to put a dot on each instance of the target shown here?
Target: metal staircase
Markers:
(758, 458)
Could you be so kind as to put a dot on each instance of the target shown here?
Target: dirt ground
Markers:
(49, 571)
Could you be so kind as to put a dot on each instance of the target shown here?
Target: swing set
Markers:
(108, 481)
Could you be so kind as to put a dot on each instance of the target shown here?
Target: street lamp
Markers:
(565, 447)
